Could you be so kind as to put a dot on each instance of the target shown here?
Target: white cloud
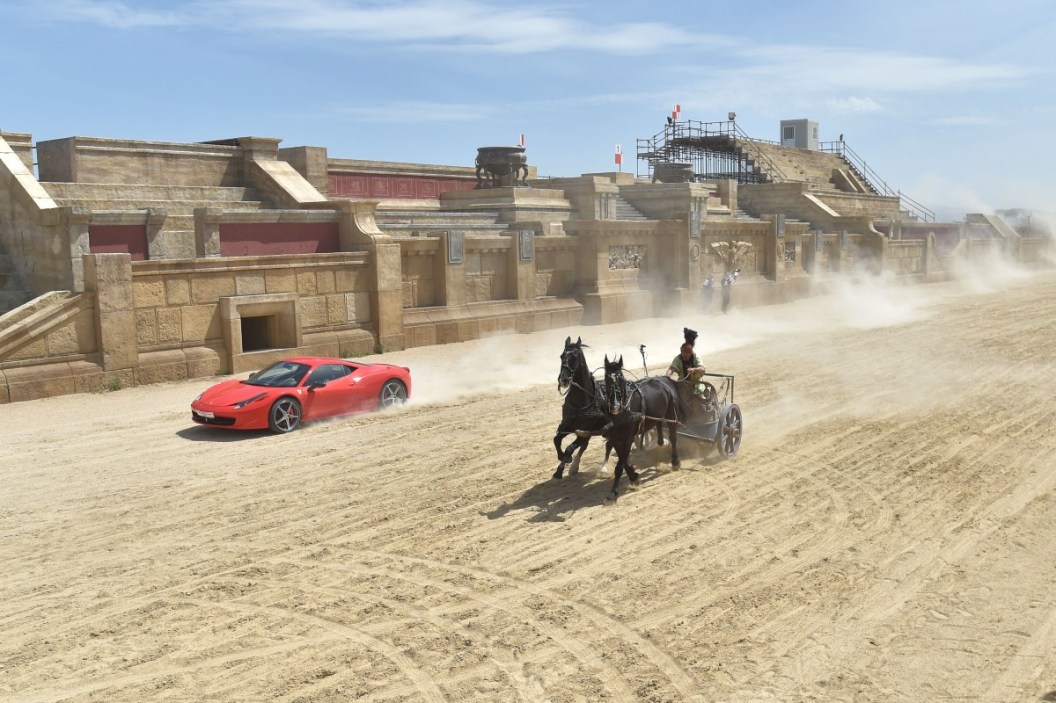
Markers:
(466, 25)
(826, 69)
(854, 104)
(112, 13)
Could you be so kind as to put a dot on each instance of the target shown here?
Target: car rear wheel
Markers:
(393, 394)
(285, 415)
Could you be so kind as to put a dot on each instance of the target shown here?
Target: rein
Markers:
(635, 388)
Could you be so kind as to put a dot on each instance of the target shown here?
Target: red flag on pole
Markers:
(522, 139)
(619, 155)
(676, 111)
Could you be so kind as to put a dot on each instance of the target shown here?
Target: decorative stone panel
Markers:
(170, 326)
(336, 309)
(146, 327)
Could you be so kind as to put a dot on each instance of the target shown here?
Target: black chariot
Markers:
(712, 417)
(715, 417)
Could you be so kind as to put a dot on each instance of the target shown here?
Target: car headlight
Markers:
(247, 401)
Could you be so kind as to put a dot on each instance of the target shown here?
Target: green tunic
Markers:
(694, 362)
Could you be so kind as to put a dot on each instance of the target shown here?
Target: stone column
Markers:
(669, 272)
(207, 231)
(358, 231)
(811, 254)
(77, 221)
(451, 268)
(357, 228)
(775, 244)
(387, 307)
(520, 260)
(727, 188)
(310, 162)
(259, 148)
(155, 244)
(592, 270)
(929, 254)
(110, 277)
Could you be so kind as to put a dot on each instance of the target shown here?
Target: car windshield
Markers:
(285, 374)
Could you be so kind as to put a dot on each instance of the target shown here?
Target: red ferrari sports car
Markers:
(300, 389)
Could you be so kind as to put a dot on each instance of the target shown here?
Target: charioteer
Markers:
(687, 369)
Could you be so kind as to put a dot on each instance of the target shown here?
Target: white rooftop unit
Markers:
(799, 133)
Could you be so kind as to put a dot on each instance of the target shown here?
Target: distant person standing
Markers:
(727, 283)
(708, 291)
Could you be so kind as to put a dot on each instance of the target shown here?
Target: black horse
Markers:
(583, 413)
(636, 408)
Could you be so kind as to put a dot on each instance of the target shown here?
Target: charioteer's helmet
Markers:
(690, 335)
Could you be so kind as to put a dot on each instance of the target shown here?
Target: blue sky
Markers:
(953, 104)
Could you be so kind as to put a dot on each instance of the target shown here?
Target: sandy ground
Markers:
(885, 534)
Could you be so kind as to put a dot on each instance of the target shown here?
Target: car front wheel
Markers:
(285, 415)
(393, 394)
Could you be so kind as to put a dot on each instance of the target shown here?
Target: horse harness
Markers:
(591, 408)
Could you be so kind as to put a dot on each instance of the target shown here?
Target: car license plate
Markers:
(205, 414)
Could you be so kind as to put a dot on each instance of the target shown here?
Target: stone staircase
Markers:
(815, 168)
(626, 211)
(418, 223)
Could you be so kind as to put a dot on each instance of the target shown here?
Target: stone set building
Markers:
(131, 262)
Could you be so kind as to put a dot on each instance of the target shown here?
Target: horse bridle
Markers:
(620, 399)
(565, 366)
(591, 393)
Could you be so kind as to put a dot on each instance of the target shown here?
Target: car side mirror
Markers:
(317, 385)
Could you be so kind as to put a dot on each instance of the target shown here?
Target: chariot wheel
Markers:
(728, 433)
(709, 391)
(285, 415)
(647, 440)
(393, 394)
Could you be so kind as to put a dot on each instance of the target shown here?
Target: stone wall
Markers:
(324, 298)
(907, 258)
(486, 274)
(34, 230)
(555, 267)
(92, 160)
(422, 272)
(350, 178)
(564, 259)
(1039, 251)
(858, 204)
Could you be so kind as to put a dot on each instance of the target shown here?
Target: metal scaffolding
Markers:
(714, 150)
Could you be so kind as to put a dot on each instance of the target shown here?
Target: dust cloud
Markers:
(507, 363)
